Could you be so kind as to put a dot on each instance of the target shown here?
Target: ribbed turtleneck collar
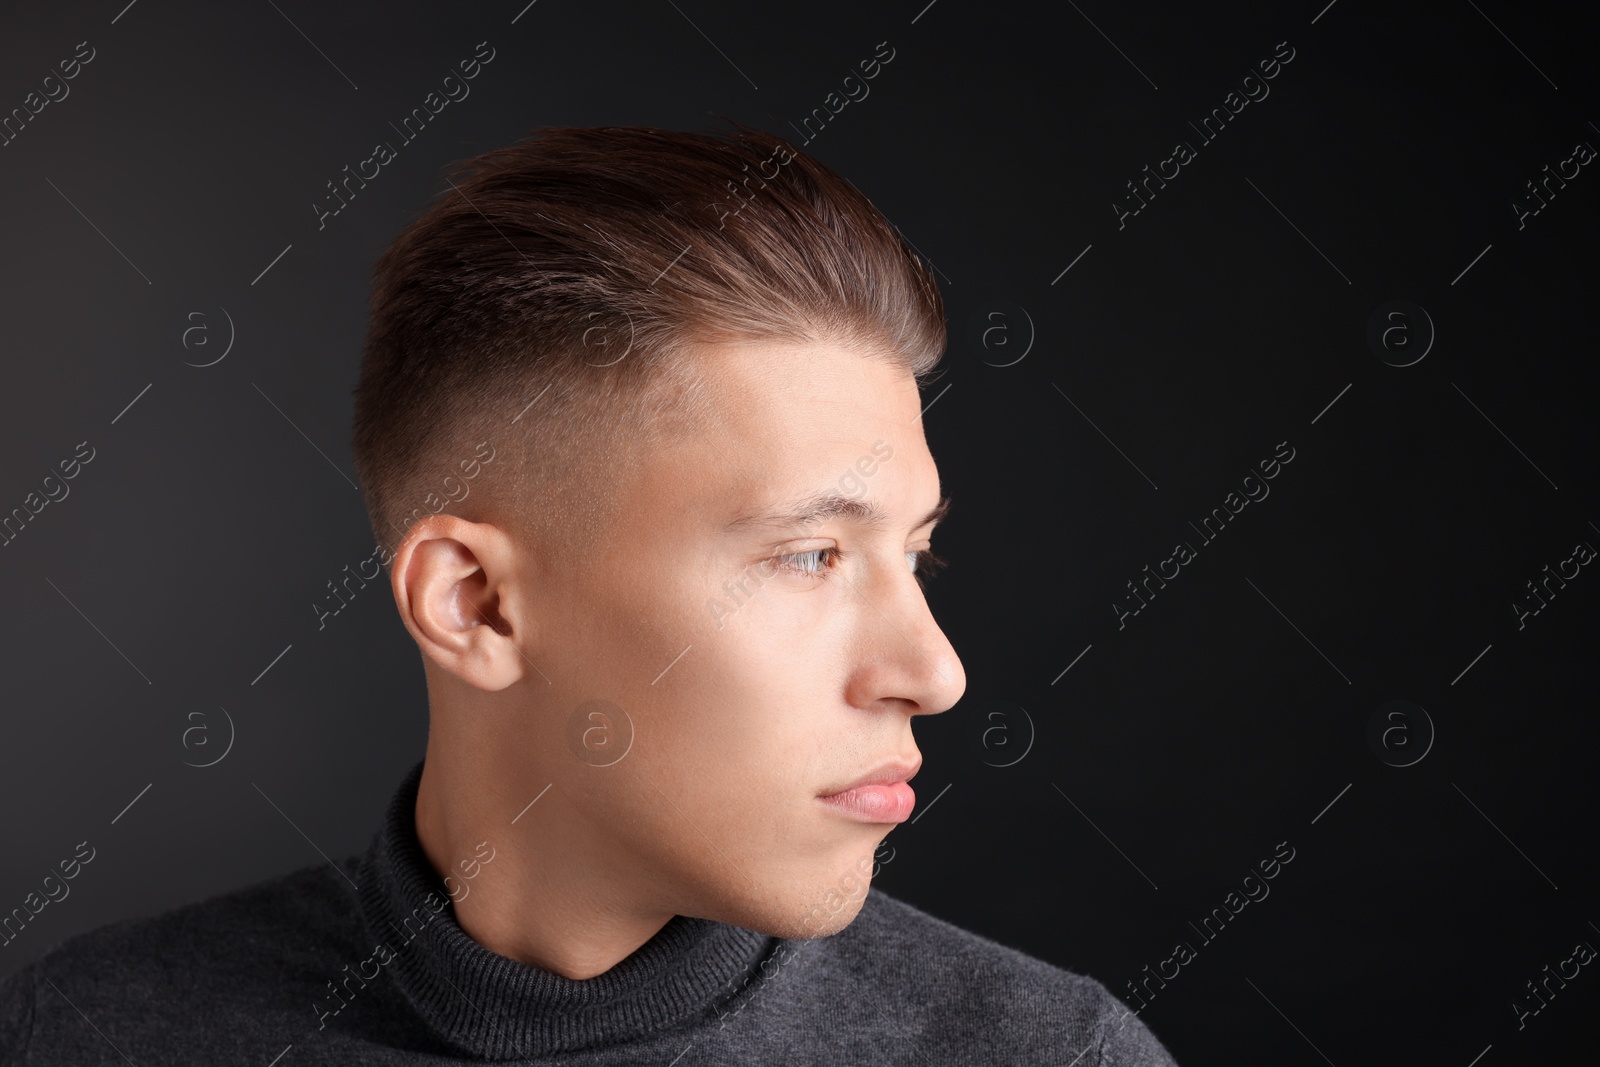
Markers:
(496, 1007)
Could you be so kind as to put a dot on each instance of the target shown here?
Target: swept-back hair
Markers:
(548, 298)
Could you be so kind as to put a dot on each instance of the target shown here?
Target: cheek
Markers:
(741, 752)
(722, 802)
(730, 732)
(734, 730)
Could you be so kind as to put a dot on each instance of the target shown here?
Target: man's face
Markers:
(761, 665)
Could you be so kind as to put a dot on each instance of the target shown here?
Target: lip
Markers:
(891, 803)
(888, 773)
(879, 796)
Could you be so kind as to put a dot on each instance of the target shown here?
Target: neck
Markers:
(526, 875)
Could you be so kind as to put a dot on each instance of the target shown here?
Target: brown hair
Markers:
(548, 300)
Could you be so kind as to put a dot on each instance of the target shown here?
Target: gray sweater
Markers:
(367, 965)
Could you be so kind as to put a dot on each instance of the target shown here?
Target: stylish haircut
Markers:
(565, 294)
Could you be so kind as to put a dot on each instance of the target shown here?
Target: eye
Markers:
(815, 563)
(819, 562)
(925, 565)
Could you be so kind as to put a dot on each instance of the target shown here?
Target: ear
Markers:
(452, 583)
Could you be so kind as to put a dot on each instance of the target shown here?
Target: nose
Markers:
(902, 657)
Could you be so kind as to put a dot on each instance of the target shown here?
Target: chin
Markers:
(803, 922)
(821, 907)
(826, 922)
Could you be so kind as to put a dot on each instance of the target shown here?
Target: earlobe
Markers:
(450, 585)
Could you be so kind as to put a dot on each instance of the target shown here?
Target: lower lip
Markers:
(874, 803)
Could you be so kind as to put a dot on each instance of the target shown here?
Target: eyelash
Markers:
(927, 564)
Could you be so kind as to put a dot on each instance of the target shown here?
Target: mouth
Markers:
(882, 795)
(890, 803)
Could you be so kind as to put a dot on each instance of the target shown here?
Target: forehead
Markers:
(773, 392)
(787, 420)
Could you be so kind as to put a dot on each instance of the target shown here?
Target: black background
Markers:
(1144, 783)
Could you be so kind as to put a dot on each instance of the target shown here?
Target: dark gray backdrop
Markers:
(1108, 780)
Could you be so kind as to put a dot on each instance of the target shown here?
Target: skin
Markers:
(711, 809)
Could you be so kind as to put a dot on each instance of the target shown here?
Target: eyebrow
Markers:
(819, 507)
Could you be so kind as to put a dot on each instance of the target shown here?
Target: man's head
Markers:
(684, 592)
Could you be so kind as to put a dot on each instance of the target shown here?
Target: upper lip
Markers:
(895, 770)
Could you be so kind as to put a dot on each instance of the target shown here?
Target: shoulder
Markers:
(996, 1003)
(213, 970)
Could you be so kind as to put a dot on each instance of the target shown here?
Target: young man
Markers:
(639, 417)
